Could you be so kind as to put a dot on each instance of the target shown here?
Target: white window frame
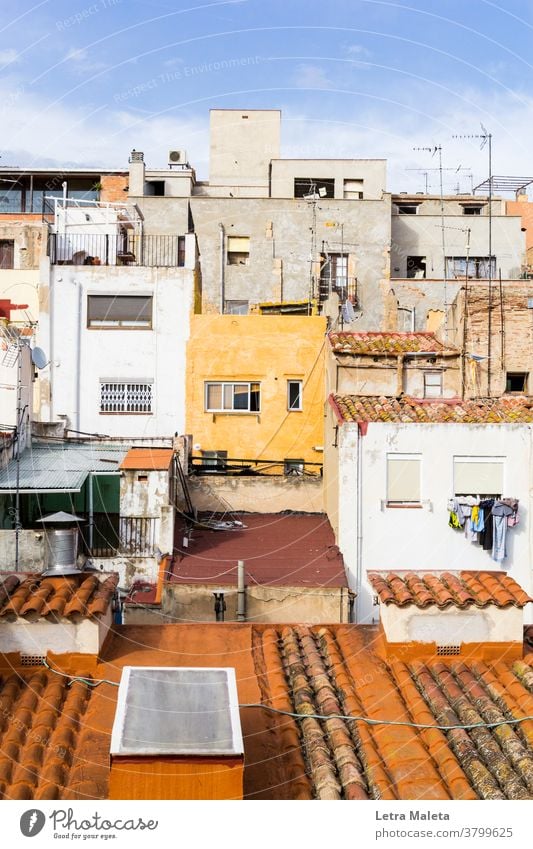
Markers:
(128, 397)
(231, 383)
(292, 408)
(479, 459)
(119, 323)
(427, 385)
(391, 457)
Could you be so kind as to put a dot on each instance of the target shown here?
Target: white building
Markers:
(391, 467)
(115, 321)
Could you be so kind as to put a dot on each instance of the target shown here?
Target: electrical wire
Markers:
(404, 724)
(73, 679)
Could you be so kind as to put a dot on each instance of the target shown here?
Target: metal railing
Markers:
(137, 536)
(344, 287)
(116, 249)
(246, 467)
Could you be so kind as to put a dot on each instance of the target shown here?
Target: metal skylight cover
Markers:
(177, 711)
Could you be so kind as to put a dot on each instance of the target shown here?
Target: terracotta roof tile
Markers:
(71, 597)
(387, 343)
(54, 738)
(462, 589)
(373, 408)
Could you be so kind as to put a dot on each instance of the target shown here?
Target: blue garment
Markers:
(479, 524)
(499, 552)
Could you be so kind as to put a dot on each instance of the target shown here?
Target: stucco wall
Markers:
(31, 550)
(84, 637)
(415, 539)
(366, 377)
(263, 604)
(241, 147)
(270, 350)
(270, 494)
(451, 626)
(371, 171)
(82, 357)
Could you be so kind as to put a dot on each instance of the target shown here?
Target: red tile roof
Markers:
(278, 550)
(147, 459)
(388, 343)
(55, 738)
(374, 408)
(74, 597)
(446, 589)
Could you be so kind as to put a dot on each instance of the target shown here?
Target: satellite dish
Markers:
(39, 358)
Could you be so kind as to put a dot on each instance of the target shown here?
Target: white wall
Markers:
(65, 637)
(420, 539)
(373, 173)
(451, 626)
(81, 357)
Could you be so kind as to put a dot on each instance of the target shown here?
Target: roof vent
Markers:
(32, 659)
(136, 156)
(448, 651)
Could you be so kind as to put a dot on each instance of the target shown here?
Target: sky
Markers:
(82, 83)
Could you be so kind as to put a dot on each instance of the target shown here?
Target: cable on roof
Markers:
(370, 721)
(73, 679)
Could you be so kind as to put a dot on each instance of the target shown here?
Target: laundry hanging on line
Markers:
(484, 521)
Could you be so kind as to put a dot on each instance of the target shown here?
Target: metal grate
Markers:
(137, 536)
(32, 659)
(448, 651)
(126, 397)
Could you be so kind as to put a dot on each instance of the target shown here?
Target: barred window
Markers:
(126, 397)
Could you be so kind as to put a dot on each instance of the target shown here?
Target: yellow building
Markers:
(255, 389)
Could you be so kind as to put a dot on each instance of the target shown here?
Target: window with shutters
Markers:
(133, 312)
(131, 398)
(238, 250)
(478, 476)
(403, 480)
(222, 397)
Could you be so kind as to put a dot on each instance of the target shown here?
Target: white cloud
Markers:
(8, 56)
(311, 76)
(357, 50)
(82, 62)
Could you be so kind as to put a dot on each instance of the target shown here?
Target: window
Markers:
(232, 397)
(238, 250)
(416, 267)
(112, 311)
(294, 395)
(432, 384)
(353, 189)
(472, 210)
(313, 187)
(181, 251)
(236, 308)
(407, 208)
(214, 459)
(155, 187)
(478, 267)
(516, 381)
(126, 397)
(10, 200)
(478, 475)
(7, 253)
(294, 468)
(403, 479)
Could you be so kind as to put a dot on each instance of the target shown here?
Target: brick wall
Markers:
(113, 186)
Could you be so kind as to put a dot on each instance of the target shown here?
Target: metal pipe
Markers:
(78, 359)
(241, 592)
(222, 268)
(91, 512)
(20, 413)
(359, 546)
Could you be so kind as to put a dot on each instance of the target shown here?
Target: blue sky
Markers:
(83, 82)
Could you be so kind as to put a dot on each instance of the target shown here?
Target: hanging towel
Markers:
(499, 552)
(477, 518)
(453, 521)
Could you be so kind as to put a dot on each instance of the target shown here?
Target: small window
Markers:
(214, 459)
(238, 250)
(353, 189)
(232, 397)
(119, 311)
(7, 253)
(155, 187)
(416, 267)
(294, 395)
(236, 308)
(181, 251)
(516, 381)
(407, 208)
(472, 210)
(403, 479)
(432, 384)
(293, 468)
(478, 475)
(476, 267)
(314, 187)
(130, 398)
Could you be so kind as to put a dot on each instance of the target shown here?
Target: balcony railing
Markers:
(245, 467)
(344, 287)
(116, 249)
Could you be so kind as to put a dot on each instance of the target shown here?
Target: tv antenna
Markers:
(486, 141)
(427, 171)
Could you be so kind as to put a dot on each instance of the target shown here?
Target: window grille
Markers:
(126, 397)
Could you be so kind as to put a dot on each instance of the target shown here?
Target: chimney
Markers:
(136, 174)
(177, 735)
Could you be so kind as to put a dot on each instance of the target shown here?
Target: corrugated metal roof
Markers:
(59, 467)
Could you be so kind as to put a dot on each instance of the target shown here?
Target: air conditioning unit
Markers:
(177, 157)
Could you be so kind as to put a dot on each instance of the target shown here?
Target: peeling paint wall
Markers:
(269, 494)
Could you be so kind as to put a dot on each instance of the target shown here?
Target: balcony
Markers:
(123, 248)
(344, 287)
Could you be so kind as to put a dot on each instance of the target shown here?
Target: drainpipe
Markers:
(222, 268)
(91, 512)
(241, 592)
(359, 546)
(78, 360)
(399, 374)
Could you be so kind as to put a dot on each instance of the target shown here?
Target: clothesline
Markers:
(484, 521)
